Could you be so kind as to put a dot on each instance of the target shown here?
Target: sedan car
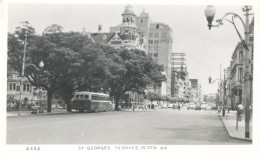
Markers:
(191, 107)
(204, 106)
(198, 107)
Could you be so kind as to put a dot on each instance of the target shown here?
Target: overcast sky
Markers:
(205, 50)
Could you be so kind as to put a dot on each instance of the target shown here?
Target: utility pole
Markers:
(25, 24)
(224, 94)
(247, 74)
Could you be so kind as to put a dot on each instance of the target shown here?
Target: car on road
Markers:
(191, 107)
(214, 107)
(203, 106)
(175, 106)
(170, 105)
(198, 107)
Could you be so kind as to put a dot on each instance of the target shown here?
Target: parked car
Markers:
(191, 107)
(170, 105)
(175, 106)
(208, 108)
(204, 106)
(214, 107)
(198, 107)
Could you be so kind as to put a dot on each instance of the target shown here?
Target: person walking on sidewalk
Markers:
(240, 110)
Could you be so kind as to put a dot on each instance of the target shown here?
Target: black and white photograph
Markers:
(131, 76)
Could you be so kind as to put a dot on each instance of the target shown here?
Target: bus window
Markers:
(94, 97)
(77, 97)
(81, 97)
(86, 97)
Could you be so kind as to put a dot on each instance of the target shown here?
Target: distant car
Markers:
(175, 106)
(198, 107)
(204, 106)
(208, 108)
(170, 105)
(214, 107)
(191, 107)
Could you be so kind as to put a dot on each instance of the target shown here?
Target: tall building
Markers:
(180, 85)
(160, 48)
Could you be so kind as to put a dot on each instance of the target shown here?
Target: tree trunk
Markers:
(49, 94)
(116, 103)
(68, 102)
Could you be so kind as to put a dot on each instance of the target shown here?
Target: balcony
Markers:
(236, 84)
(236, 64)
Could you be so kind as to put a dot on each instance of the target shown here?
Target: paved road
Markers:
(120, 127)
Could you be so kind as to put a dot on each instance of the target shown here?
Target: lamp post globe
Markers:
(41, 64)
(210, 12)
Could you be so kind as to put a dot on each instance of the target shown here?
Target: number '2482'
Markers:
(33, 148)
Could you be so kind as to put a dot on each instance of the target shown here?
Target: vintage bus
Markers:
(89, 101)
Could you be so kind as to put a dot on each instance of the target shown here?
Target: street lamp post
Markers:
(41, 64)
(210, 13)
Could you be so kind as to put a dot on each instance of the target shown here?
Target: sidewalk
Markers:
(28, 113)
(230, 123)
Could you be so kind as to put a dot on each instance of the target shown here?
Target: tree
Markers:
(91, 66)
(131, 70)
(153, 96)
(59, 66)
(72, 62)
(59, 62)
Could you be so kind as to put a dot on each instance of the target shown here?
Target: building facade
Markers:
(160, 47)
(125, 36)
(155, 38)
(237, 70)
(29, 94)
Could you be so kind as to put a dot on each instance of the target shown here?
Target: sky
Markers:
(206, 50)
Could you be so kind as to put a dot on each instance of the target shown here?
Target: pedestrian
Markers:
(240, 109)
(219, 108)
(152, 106)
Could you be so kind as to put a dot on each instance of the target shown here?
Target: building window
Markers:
(28, 87)
(156, 55)
(142, 21)
(156, 42)
(150, 41)
(150, 54)
(10, 86)
(156, 35)
(157, 26)
(18, 88)
(14, 86)
(240, 56)
(24, 87)
(240, 74)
